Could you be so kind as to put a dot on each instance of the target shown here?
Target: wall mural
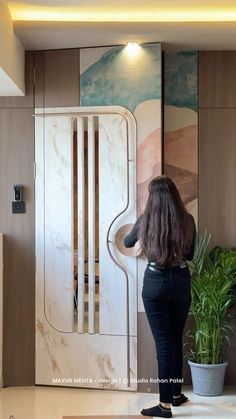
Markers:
(180, 139)
(113, 76)
(110, 76)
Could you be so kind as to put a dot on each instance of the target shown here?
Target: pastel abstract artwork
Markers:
(180, 138)
(149, 165)
(181, 79)
(109, 76)
(115, 78)
(148, 117)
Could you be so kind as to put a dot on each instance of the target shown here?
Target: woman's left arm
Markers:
(132, 237)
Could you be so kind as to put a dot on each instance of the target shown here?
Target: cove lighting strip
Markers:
(66, 14)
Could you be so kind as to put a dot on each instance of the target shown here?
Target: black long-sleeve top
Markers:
(132, 237)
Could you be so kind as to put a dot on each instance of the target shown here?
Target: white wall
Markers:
(12, 58)
(1, 305)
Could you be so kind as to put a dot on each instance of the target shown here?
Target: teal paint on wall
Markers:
(180, 78)
(119, 79)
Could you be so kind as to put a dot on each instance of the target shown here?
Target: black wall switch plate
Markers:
(18, 207)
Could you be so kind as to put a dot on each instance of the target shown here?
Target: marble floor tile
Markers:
(44, 402)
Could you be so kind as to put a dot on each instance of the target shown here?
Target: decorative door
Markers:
(86, 286)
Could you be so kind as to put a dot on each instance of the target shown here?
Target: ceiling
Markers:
(52, 24)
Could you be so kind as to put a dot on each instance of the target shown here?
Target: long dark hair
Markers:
(166, 227)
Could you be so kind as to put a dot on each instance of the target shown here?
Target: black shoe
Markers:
(158, 411)
(179, 400)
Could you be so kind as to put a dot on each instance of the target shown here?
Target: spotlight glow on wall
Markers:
(132, 48)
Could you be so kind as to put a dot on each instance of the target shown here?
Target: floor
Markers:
(42, 402)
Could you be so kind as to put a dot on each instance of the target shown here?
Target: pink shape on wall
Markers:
(181, 148)
(148, 165)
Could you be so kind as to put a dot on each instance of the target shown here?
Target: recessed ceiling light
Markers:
(132, 47)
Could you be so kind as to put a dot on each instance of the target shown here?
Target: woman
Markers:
(166, 234)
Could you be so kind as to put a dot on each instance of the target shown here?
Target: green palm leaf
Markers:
(213, 295)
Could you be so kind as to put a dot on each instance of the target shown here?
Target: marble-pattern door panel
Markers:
(64, 357)
(117, 186)
(58, 219)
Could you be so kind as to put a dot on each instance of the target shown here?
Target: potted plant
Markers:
(213, 295)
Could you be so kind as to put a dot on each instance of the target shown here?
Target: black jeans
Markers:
(166, 297)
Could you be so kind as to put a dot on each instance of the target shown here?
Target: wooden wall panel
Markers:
(217, 157)
(230, 351)
(61, 78)
(217, 174)
(16, 166)
(217, 81)
(57, 84)
(38, 91)
(26, 101)
(1, 306)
